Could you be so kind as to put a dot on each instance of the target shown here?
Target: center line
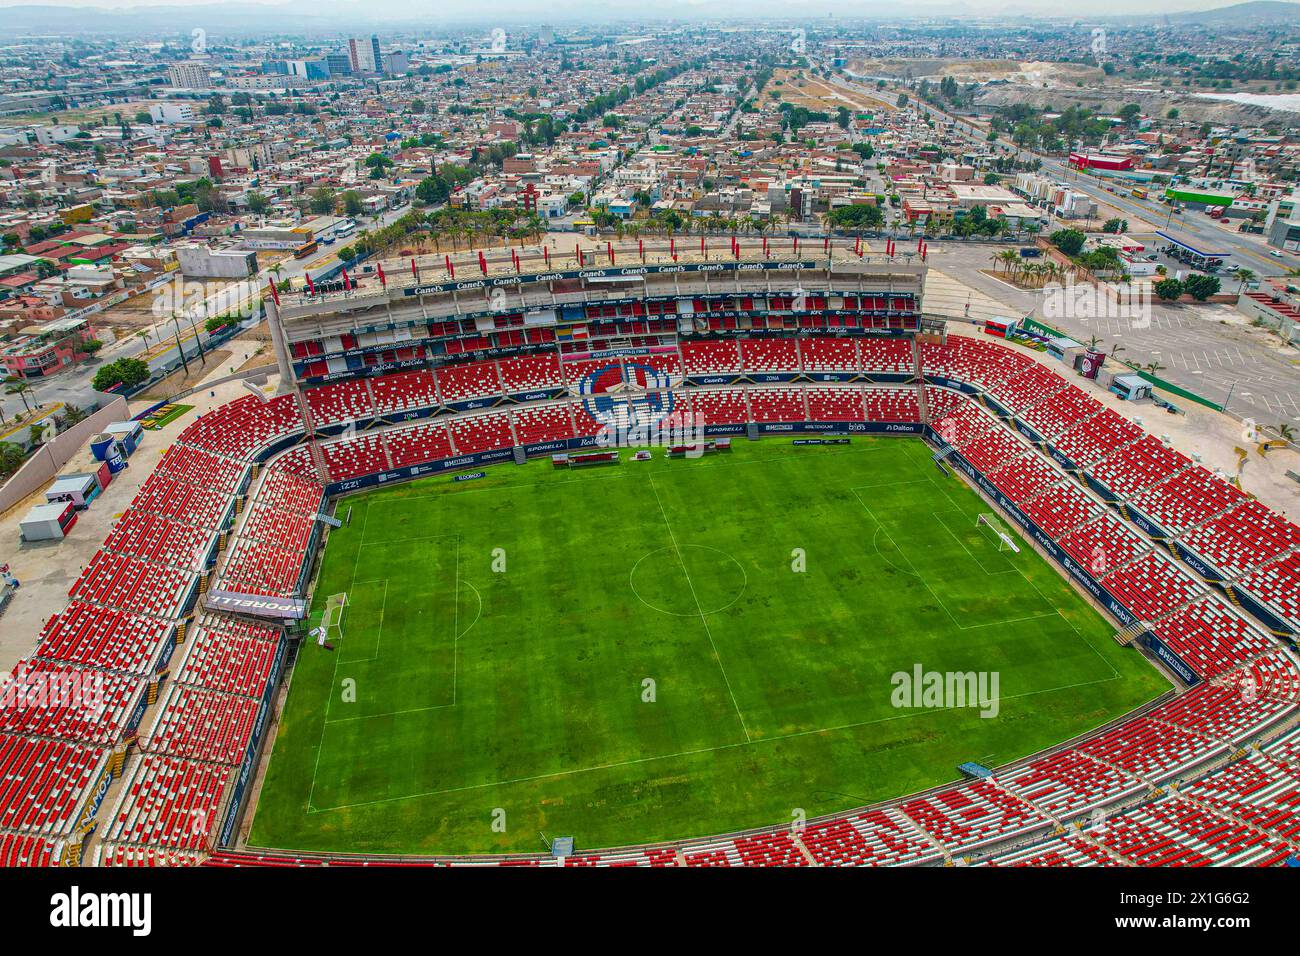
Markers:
(700, 609)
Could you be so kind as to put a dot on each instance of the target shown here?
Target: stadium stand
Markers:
(829, 355)
(344, 401)
(458, 383)
(892, 405)
(403, 392)
(1244, 538)
(1089, 441)
(1128, 470)
(1152, 586)
(542, 423)
(530, 373)
(130, 599)
(1062, 508)
(769, 355)
(715, 357)
(1060, 412)
(1278, 585)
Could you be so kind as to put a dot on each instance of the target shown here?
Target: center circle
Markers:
(688, 581)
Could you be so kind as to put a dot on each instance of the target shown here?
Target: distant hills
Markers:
(1255, 13)
(313, 17)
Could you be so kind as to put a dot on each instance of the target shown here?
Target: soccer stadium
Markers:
(657, 554)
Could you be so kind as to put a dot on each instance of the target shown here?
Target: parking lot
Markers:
(1209, 349)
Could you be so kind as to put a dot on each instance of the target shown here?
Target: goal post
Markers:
(1006, 542)
(332, 620)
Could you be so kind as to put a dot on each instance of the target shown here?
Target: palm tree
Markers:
(16, 386)
(1153, 367)
(1245, 275)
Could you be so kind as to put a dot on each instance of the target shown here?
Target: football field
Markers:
(669, 649)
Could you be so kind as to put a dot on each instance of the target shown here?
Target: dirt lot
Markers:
(814, 94)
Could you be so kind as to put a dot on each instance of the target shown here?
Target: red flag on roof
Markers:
(274, 294)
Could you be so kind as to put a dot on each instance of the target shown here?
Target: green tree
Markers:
(125, 373)
(1069, 241)
(11, 458)
(352, 204)
(1201, 287)
(19, 387)
(431, 191)
(322, 200)
(855, 217)
(1169, 289)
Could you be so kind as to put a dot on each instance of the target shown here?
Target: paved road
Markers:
(72, 386)
(1209, 349)
(1247, 250)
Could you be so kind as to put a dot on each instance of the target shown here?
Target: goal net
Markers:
(331, 624)
(1004, 538)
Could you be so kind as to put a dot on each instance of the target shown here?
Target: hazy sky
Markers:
(785, 9)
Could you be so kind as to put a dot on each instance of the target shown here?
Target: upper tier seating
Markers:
(340, 402)
(769, 355)
(240, 427)
(92, 636)
(458, 383)
(710, 357)
(530, 373)
(1087, 442)
(1188, 498)
(404, 391)
(829, 355)
(886, 355)
(1246, 537)
(1028, 387)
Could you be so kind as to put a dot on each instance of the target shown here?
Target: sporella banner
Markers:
(259, 605)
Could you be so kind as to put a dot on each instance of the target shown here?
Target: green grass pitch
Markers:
(491, 684)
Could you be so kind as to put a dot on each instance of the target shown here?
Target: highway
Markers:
(1192, 227)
